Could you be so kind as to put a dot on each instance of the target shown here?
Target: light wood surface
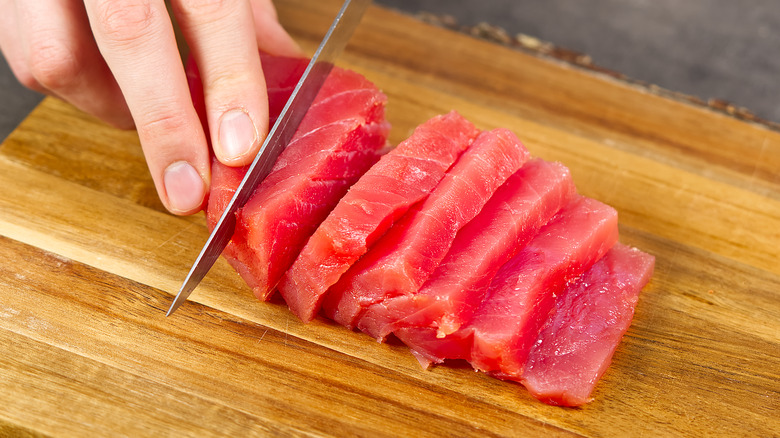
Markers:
(89, 262)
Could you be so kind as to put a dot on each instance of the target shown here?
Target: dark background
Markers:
(725, 49)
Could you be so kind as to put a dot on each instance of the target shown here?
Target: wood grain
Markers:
(89, 261)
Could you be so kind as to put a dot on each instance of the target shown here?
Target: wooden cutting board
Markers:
(89, 262)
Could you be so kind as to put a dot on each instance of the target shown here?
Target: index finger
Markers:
(137, 41)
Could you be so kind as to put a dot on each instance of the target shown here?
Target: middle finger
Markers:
(222, 40)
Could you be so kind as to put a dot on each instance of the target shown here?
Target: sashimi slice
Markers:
(522, 292)
(288, 206)
(552, 315)
(576, 344)
(224, 181)
(403, 259)
(281, 76)
(340, 137)
(510, 219)
(400, 179)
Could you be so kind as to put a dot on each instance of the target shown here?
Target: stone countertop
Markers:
(708, 49)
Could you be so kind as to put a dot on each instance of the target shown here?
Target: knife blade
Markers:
(279, 136)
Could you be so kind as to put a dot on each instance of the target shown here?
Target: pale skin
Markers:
(118, 60)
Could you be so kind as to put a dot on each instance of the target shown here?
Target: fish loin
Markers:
(281, 76)
(401, 178)
(341, 136)
(576, 344)
(512, 217)
(523, 292)
(403, 259)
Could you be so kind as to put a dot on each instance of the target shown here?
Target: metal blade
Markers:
(280, 135)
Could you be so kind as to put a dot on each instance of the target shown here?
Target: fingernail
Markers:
(184, 187)
(237, 134)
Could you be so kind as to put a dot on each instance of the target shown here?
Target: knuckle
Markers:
(163, 124)
(167, 136)
(53, 64)
(225, 79)
(163, 129)
(227, 88)
(124, 21)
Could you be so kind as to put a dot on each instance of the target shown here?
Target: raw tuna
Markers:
(340, 137)
(523, 291)
(511, 218)
(281, 76)
(549, 318)
(404, 258)
(400, 179)
(576, 344)
(224, 181)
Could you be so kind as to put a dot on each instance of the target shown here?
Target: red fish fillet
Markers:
(400, 179)
(576, 344)
(403, 259)
(522, 293)
(340, 137)
(465, 261)
(510, 219)
(281, 76)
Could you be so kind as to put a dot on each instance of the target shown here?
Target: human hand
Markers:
(118, 60)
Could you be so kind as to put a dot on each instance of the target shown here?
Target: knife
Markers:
(278, 137)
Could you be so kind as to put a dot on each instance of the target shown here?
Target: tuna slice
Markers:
(403, 259)
(523, 291)
(576, 344)
(400, 179)
(512, 217)
(281, 76)
(340, 137)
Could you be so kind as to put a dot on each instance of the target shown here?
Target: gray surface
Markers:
(15, 101)
(722, 49)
